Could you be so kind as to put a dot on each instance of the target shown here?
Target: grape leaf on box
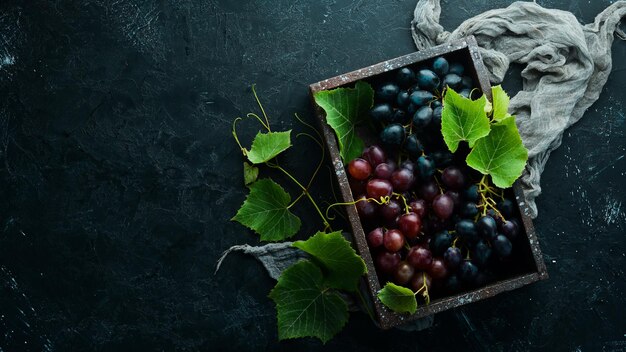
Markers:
(463, 119)
(250, 173)
(397, 298)
(304, 306)
(266, 146)
(345, 107)
(265, 211)
(500, 103)
(342, 265)
(501, 154)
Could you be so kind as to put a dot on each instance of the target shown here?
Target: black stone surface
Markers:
(118, 177)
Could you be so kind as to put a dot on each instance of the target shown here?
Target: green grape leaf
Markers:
(501, 154)
(343, 267)
(265, 211)
(250, 173)
(266, 146)
(463, 119)
(500, 103)
(397, 298)
(345, 107)
(304, 306)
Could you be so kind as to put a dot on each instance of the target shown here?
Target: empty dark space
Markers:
(119, 176)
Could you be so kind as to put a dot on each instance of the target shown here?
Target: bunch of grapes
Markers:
(429, 225)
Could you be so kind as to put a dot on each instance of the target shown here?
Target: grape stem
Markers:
(383, 200)
(406, 205)
(486, 191)
(424, 290)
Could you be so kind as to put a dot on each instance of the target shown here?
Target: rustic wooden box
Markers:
(531, 268)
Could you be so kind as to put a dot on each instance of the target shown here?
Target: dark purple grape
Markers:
(443, 206)
(481, 254)
(467, 82)
(437, 115)
(365, 209)
(452, 80)
(487, 227)
(437, 269)
(466, 230)
(421, 97)
(499, 220)
(468, 210)
(391, 210)
(360, 169)
(403, 99)
(428, 191)
(427, 79)
(440, 243)
(418, 207)
(509, 229)
(410, 225)
(452, 258)
(383, 171)
(357, 187)
(422, 117)
(418, 281)
(374, 155)
(405, 77)
(403, 273)
(386, 262)
(413, 146)
(425, 167)
(409, 165)
(453, 178)
(419, 257)
(392, 134)
(377, 188)
(387, 92)
(399, 116)
(468, 272)
(452, 284)
(393, 240)
(466, 93)
(442, 158)
(502, 246)
(441, 66)
(471, 194)
(411, 109)
(375, 238)
(402, 180)
(381, 112)
(457, 69)
(506, 208)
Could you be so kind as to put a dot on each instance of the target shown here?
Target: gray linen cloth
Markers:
(566, 66)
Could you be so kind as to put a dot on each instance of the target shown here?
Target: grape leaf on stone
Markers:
(265, 211)
(267, 146)
(345, 108)
(397, 298)
(250, 173)
(305, 307)
(501, 154)
(343, 267)
(463, 119)
(500, 103)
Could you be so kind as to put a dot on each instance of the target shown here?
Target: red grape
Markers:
(453, 178)
(375, 238)
(391, 210)
(402, 180)
(418, 207)
(374, 155)
(443, 206)
(429, 191)
(366, 209)
(383, 171)
(360, 169)
(420, 258)
(377, 188)
(437, 269)
(418, 280)
(387, 261)
(393, 240)
(410, 225)
(403, 273)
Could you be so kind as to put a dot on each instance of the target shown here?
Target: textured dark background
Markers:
(118, 177)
